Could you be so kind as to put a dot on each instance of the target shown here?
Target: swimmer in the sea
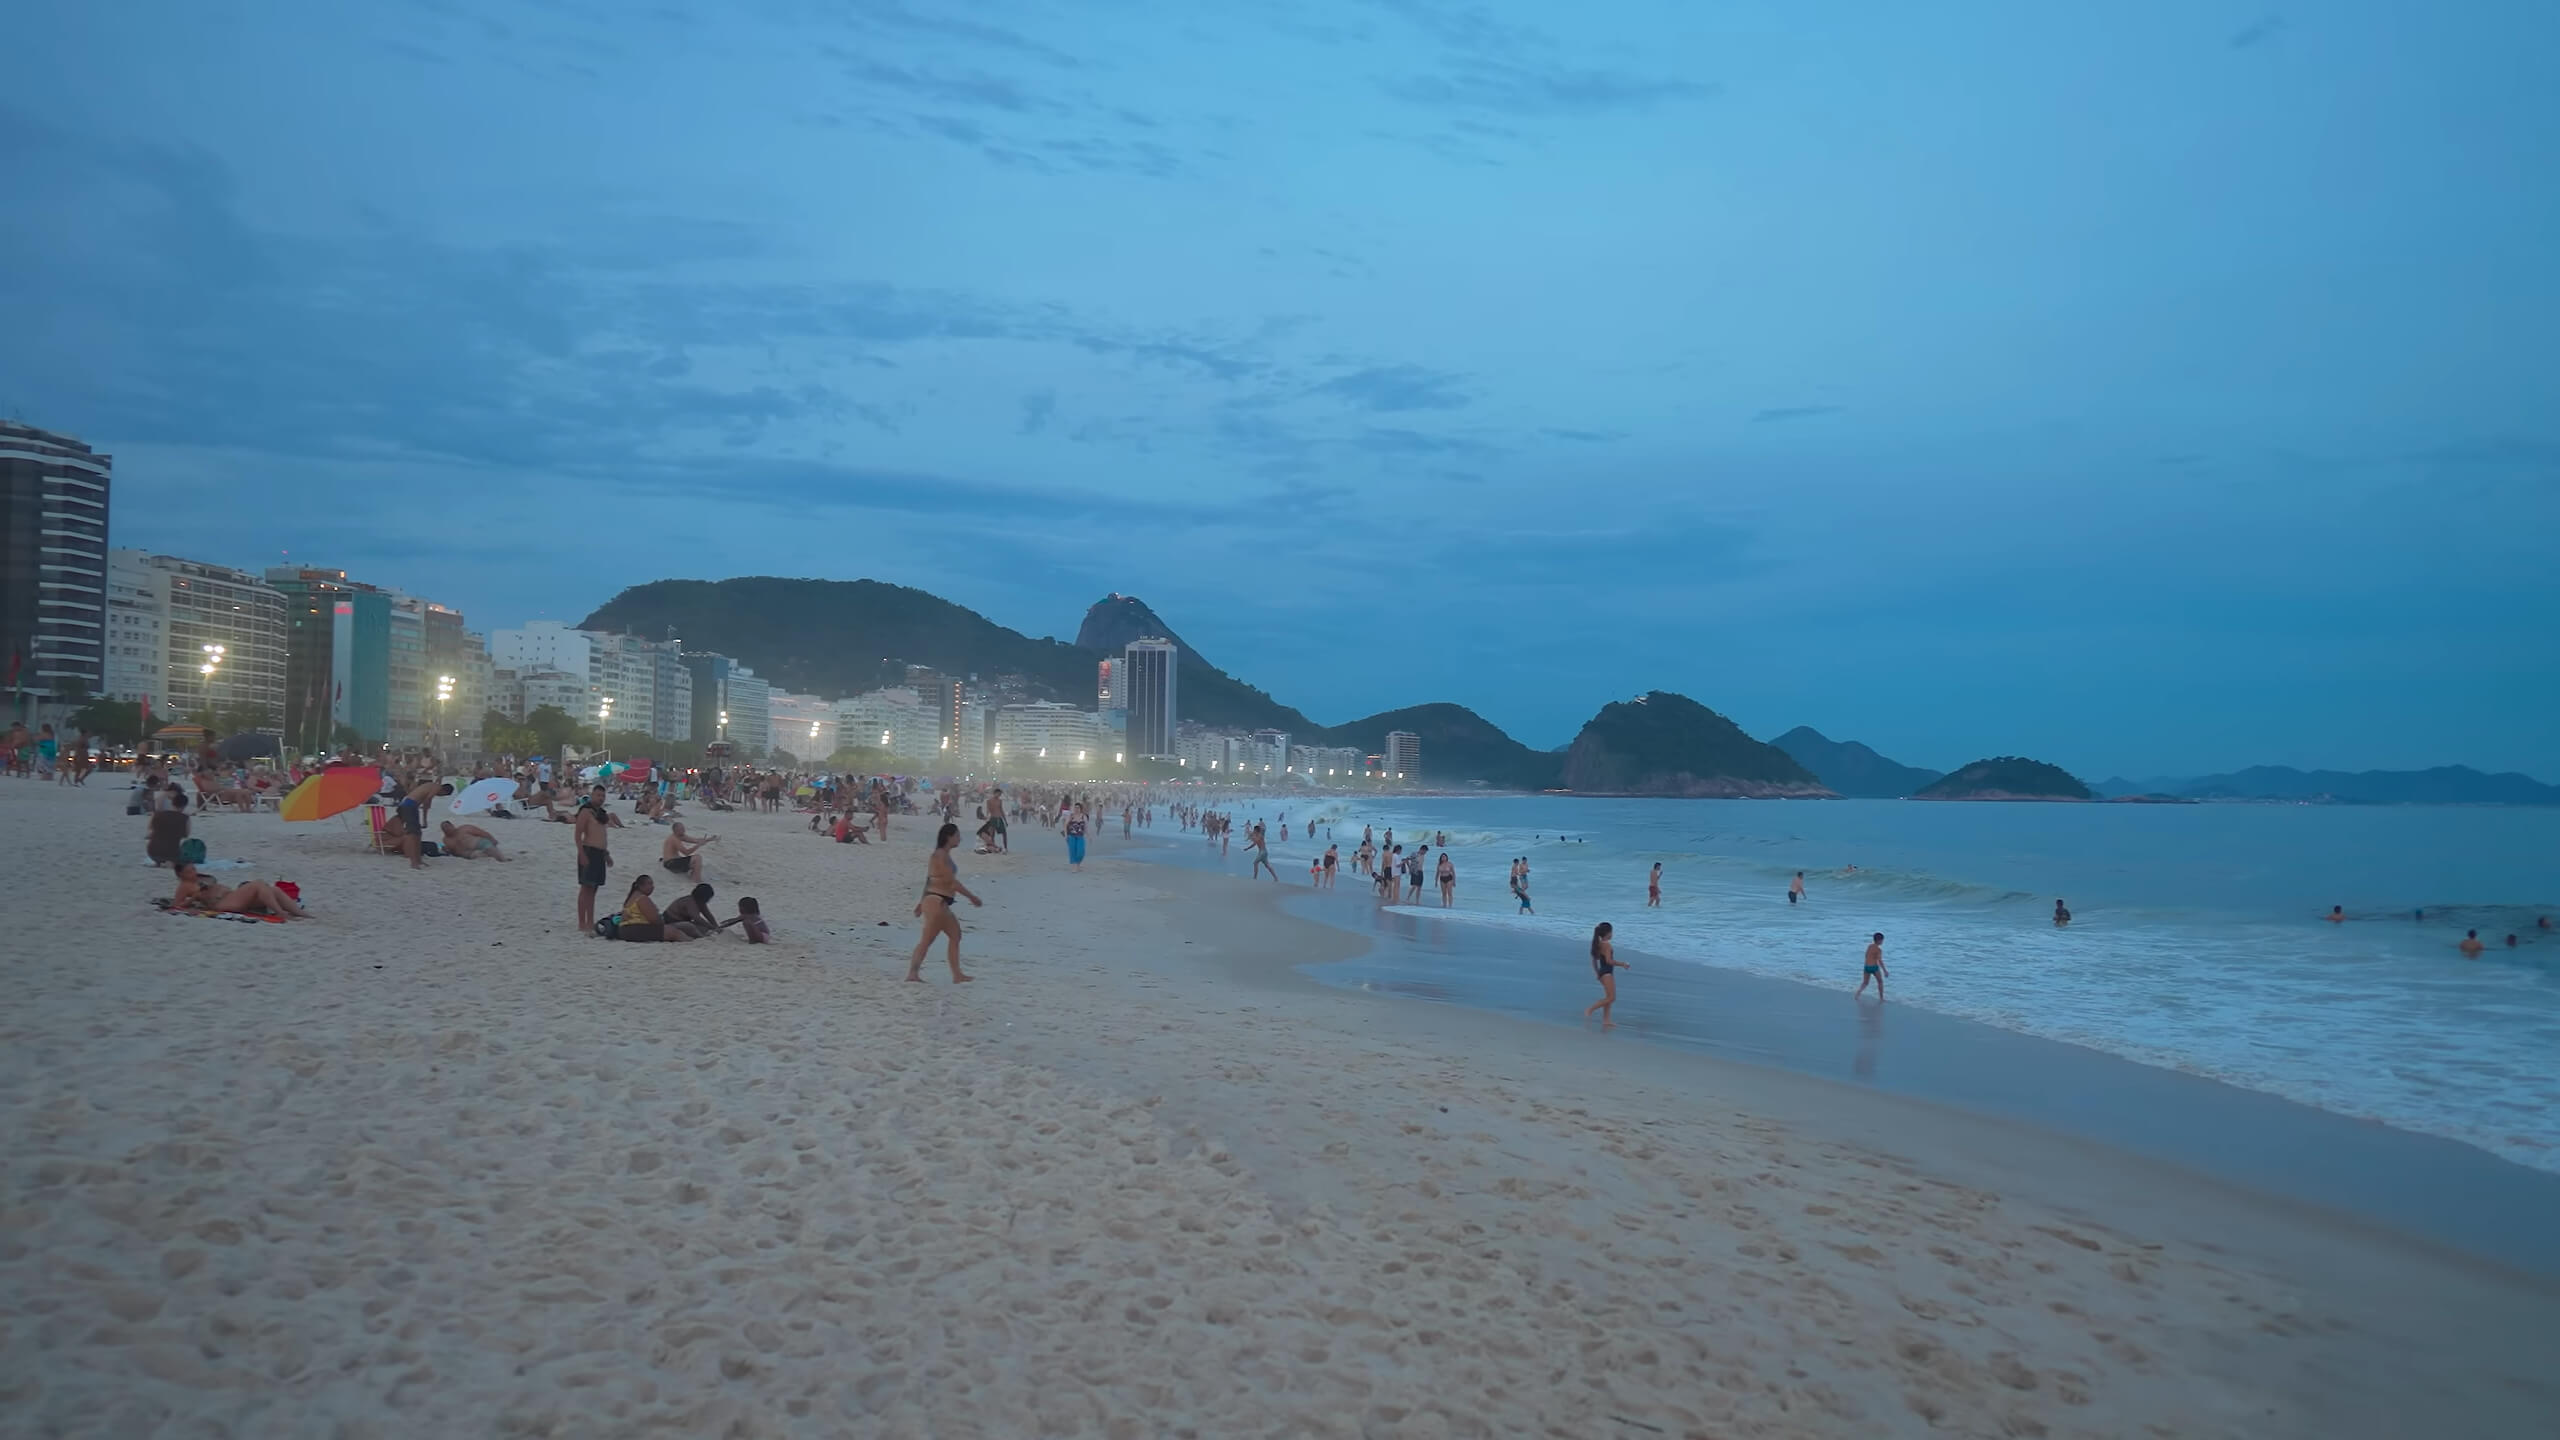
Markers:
(2061, 914)
(2471, 945)
(2337, 915)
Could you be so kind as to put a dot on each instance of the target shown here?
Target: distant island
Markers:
(2282, 784)
(1665, 744)
(1850, 768)
(2006, 777)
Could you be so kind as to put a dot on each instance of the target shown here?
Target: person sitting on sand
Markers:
(691, 913)
(942, 889)
(640, 917)
(680, 856)
(249, 897)
(470, 842)
(165, 831)
(750, 922)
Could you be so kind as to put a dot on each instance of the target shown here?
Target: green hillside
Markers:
(2004, 777)
(1457, 745)
(1665, 744)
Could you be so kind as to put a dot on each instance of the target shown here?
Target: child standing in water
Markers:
(1604, 964)
(1875, 968)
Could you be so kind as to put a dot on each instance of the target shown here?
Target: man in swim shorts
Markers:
(1875, 968)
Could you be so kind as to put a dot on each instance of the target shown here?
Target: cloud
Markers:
(1544, 90)
(1586, 437)
(1036, 410)
(2258, 32)
(1784, 413)
(1392, 388)
(1490, 65)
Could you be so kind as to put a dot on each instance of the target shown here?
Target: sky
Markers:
(2152, 388)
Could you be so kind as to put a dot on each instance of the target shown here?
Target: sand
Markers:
(434, 1164)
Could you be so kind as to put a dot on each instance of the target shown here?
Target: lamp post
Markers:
(604, 717)
(444, 692)
(724, 725)
(210, 669)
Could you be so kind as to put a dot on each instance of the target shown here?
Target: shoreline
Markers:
(433, 1163)
(2420, 1189)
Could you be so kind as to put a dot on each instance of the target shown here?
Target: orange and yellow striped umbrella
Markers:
(332, 791)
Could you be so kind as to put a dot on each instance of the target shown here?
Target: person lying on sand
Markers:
(249, 897)
(470, 842)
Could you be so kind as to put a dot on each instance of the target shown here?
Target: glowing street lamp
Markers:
(604, 717)
(444, 693)
(724, 724)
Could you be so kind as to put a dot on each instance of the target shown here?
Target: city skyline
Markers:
(2148, 393)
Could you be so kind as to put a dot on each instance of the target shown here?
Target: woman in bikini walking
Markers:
(942, 889)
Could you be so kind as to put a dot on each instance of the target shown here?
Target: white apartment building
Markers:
(1329, 762)
(1045, 732)
(651, 690)
(189, 636)
(897, 720)
(572, 695)
(1403, 755)
(805, 725)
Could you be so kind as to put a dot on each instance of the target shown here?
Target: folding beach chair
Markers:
(378, 828)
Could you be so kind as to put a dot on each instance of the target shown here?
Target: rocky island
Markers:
(2006, 777)
(1670, 745)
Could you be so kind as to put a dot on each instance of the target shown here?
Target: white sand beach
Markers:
(432, 1163)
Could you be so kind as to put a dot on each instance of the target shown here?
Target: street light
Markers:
(604, 717)
(444, 692)
(724, 724)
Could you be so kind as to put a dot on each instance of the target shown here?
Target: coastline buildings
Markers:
(1403, 755)
(165, 619)
(337, 673)
(1046, 732)
(54, 493)
(720, 686)
(1329, 762)
(898, 719)
(1148, 685)
(802, 725)
(650, 686)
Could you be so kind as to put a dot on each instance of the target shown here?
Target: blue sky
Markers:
(2151, 388)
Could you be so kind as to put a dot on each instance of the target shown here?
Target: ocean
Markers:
(2197, 941)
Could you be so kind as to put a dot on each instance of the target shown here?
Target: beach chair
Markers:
(378, 829)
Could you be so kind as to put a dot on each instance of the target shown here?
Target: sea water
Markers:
(2197, 939)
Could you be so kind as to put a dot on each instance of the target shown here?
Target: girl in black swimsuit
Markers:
(1604, 963)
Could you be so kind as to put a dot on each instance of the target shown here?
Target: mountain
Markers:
(1851, 768)
(1665, 744)
(1202, 691)
(1457, 744)
(2443, 785)
(2006, 777)
(831, 637)
(1111, 622)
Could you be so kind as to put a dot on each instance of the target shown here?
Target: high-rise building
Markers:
(337, 664)
(53, 565)
(412, 705)
(1044, 732)
(205, 641)
(802, 725)
(1148, 685)
(1403, 755)
(721, 687)
(647, 680)
(897, 720)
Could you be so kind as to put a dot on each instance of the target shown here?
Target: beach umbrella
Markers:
(333, 791)
(483, 795)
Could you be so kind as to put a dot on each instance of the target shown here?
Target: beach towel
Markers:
(162, 905)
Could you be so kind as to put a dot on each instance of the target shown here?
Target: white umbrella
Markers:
(483, 795)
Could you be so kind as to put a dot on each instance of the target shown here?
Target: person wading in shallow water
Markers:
(1605, 964)
(1875, 968)
(942, 890)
